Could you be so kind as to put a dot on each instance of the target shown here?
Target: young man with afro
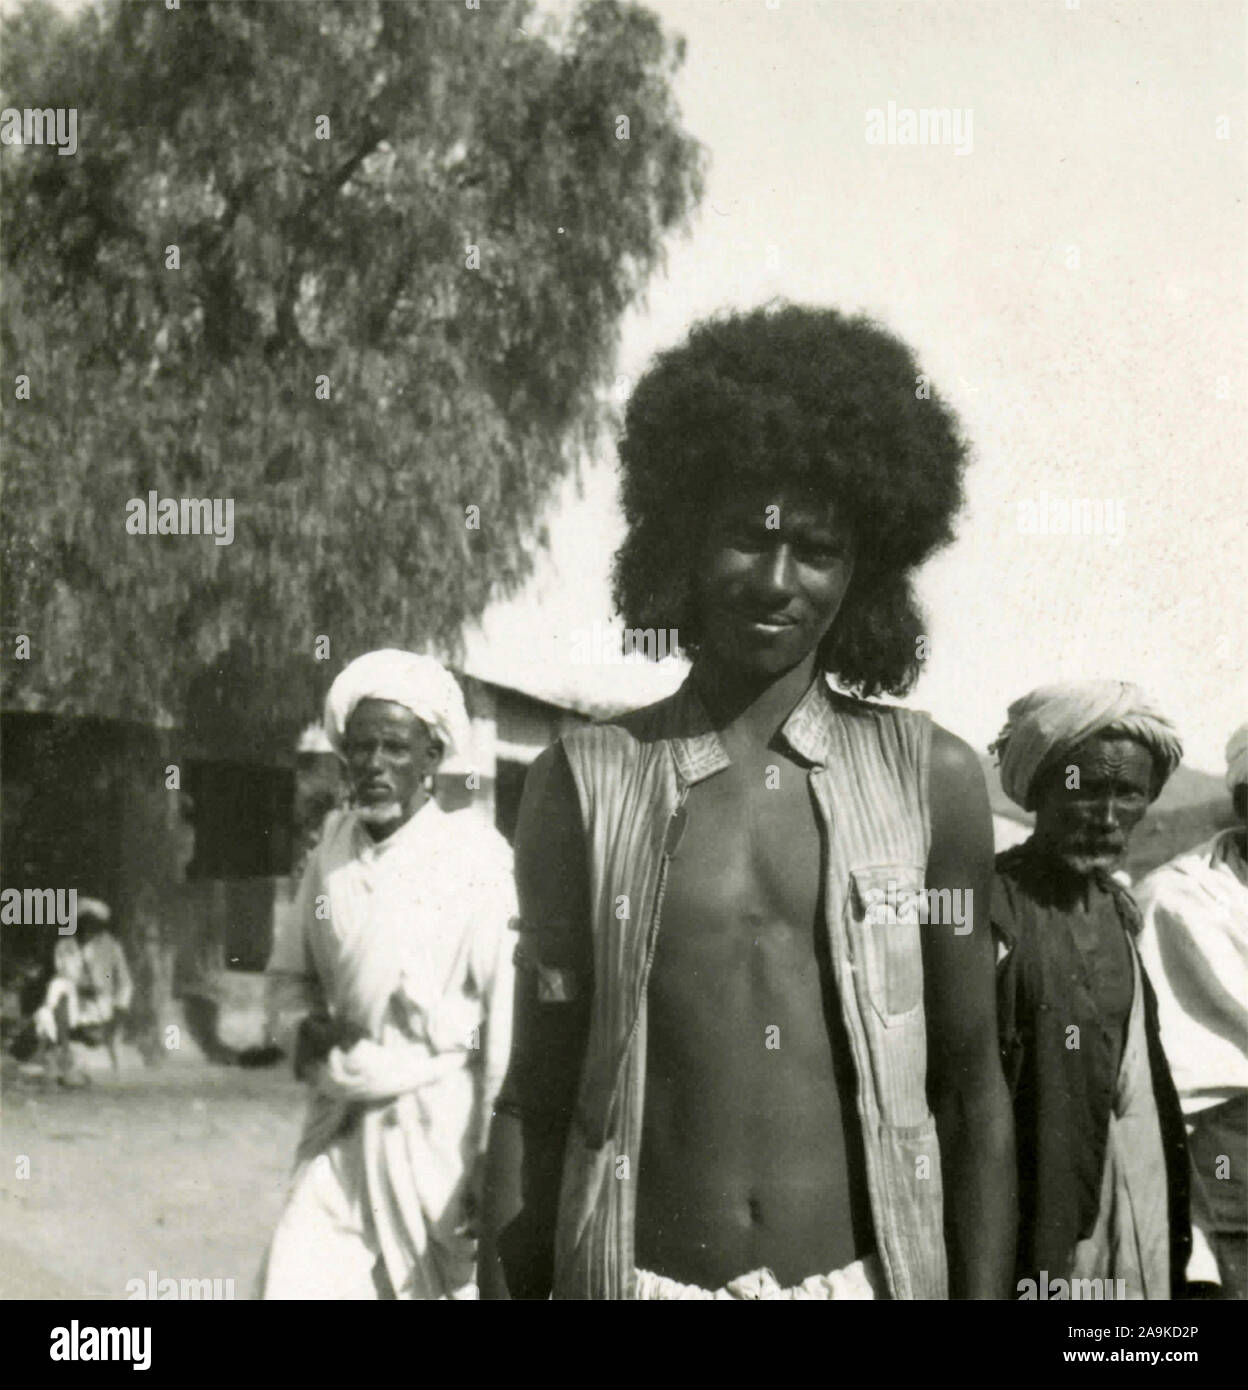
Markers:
(743, 1065)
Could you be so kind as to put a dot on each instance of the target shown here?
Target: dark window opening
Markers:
(243, 817)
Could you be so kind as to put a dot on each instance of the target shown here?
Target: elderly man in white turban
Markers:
(1101, 1154)
(1195, 949)
(402, 920)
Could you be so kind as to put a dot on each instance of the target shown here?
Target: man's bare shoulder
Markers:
(961, 847)
(549, 819)
(550, 841)
(548, 782)
(954, 763)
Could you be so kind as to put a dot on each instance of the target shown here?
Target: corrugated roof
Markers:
(597, 691)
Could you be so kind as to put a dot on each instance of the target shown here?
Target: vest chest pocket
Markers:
(884, 911)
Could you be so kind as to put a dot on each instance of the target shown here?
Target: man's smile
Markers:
(766, 621)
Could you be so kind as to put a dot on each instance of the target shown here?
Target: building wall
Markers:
(212, 860)
(88, 805)
(509, 730)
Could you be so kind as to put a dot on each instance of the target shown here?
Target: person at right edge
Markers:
(1195, 949)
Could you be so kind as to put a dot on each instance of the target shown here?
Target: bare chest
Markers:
(749, 860)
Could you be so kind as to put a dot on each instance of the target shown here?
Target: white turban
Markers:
(1237, 758)
(418, 683)
(1055, 719)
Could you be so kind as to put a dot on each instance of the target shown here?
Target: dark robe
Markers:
(1061, 972)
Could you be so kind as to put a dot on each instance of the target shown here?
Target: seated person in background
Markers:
(1102, 1161)
(89, 994)
(1195, 949)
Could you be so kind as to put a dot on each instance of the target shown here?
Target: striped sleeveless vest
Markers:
(869, 773)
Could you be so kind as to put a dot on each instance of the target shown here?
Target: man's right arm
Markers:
(554, 982)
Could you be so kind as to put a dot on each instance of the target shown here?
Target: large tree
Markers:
(405, 237)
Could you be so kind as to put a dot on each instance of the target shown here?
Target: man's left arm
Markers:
(967, 1090)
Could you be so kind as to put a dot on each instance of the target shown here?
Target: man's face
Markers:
(388, 753)
(773, 575)
(1088, 806)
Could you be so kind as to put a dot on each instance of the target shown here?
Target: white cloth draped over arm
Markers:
(412, 946)
(369, 1071)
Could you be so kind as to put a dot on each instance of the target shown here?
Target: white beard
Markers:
(383, 814)
(1085, 864)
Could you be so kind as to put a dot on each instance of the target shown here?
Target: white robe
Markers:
(409, 940)
(1194, 945)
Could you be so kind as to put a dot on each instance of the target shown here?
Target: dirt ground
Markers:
(180, 1170)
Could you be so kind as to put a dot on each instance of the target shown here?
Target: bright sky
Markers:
(1075, 286)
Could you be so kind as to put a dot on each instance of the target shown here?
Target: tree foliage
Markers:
(452, 385)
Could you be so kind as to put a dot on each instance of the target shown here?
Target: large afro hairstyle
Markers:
(814, 403)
